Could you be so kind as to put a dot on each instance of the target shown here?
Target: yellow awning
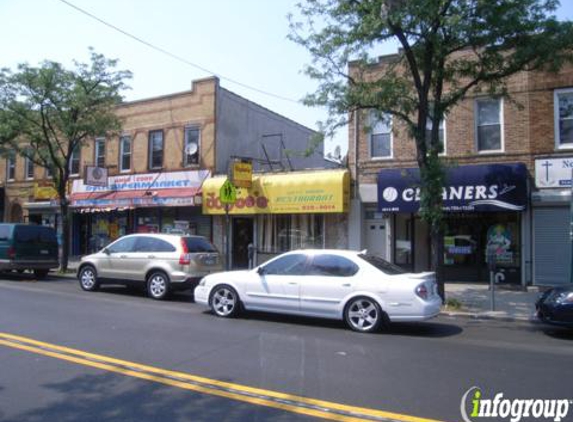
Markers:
(303, 192)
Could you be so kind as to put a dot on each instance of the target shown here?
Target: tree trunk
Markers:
(64, 211)
(437, 240)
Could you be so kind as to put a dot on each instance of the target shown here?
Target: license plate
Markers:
(209, 261)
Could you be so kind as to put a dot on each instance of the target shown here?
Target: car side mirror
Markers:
(260, 270)
(106, 251)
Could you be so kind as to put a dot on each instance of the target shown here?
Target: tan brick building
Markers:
(169, 145)
(532, 128)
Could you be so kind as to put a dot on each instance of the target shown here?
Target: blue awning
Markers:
(488, 187)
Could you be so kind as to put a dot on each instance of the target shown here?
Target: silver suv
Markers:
(164, 262)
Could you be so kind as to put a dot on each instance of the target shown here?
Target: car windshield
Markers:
(199, 244)
(382, 264)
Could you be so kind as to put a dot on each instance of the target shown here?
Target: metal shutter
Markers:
(552, 245)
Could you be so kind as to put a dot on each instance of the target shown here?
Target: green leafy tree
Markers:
(48, 112)
(449, 50)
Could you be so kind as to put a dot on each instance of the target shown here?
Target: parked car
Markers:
(28, 247)
(162, 262)
(555, 306)
(362, 289)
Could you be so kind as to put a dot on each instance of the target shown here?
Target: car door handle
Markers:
(123, 256)
(293, 283)
(346, 284)
(151, 256)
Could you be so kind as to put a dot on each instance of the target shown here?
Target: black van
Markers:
(28, 247)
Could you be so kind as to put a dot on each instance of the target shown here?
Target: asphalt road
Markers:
(69, 355)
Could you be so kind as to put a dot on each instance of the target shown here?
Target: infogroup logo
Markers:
(474, 407)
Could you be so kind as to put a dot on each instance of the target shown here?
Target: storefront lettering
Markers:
(250, 201)
(452, 193)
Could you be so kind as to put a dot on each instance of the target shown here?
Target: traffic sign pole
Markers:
(227, 196)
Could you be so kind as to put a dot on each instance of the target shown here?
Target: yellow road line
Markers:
(292, 403)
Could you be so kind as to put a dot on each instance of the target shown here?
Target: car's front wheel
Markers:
(364, 315)
(88, 279)
(224, 301)
(158, 285)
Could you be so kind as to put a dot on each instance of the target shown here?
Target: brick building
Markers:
(506, 186)
(168, 147)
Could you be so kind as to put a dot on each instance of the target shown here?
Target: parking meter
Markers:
(251, 254)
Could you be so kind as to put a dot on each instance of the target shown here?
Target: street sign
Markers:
(228, 193)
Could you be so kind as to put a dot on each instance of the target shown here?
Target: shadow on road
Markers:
(414, 329)
(109, 397)
(28, 276)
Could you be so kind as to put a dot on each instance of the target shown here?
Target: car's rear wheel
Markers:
(41, 273)
(158, 285)
(88, 278)
(364, 315)
(224, 301)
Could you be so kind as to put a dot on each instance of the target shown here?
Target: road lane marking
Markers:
(287, 402)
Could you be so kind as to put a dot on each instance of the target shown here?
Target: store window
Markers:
(563, 118)
(282, 233)
(488, 120)
(155, 149)
(380, 134)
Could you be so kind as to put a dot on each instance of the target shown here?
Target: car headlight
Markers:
(564, 298)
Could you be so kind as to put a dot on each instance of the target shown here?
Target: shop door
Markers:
(376, 237)
(242, 237)
(552, 245)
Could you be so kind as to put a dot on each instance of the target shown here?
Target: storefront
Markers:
(281, 212)
(484, 217)
(551, 206)
(167, 202)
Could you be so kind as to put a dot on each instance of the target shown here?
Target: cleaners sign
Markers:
(491, 187)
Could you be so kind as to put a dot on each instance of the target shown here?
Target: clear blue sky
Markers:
(243, 40)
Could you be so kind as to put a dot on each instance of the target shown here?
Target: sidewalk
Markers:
(475, 300)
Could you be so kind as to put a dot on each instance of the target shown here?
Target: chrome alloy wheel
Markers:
(158, 286)
(363, 315)
(224, 301)
(88, 279)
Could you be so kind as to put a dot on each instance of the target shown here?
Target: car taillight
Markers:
(185, 257)
(422, 291)
(11, 252)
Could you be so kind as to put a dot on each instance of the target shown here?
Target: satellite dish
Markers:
(191, 148)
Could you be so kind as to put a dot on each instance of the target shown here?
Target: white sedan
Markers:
(364, 290)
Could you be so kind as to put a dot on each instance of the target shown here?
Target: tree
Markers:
(449, 49)
(48, 112)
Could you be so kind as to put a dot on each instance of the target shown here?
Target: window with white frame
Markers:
(29, 166)
(11, 167)
(380, 135)
(191, 147)
(99, 159)
(489, 124)
(75, 161)
(125, 153)
(155, 149)
(563, 104)
(441, 135)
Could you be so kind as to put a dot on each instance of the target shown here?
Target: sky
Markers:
(242, 41)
